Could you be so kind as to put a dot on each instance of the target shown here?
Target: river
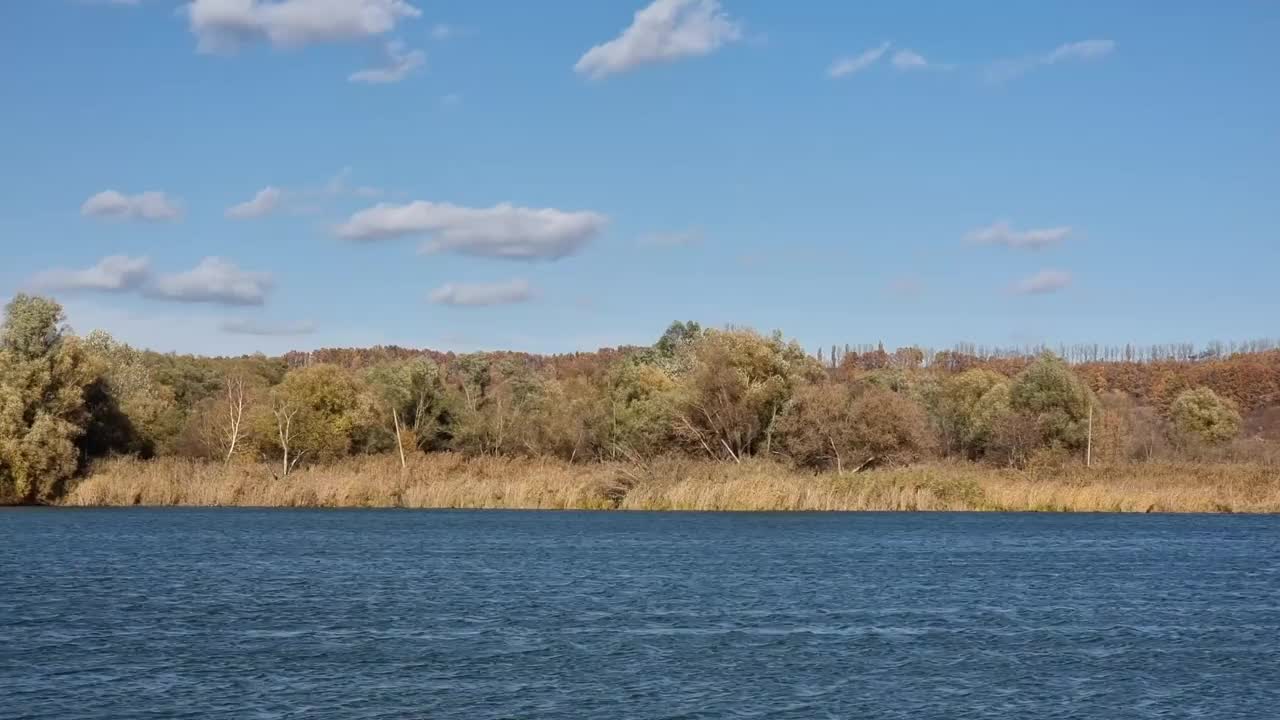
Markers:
(234, 613)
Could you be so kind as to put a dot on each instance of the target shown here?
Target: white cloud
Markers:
(483, 294)
(151, 206)
(909, 60)
(213, 280)
(857, 63)
(443, 31)
(664, 31)
(1084, 50)
(241, 326)
(116, 273)
(401, 61)
(1043, 282)
(340, 185)
(502, 231)
(225, 25)
(263, 203)
(1002, 233)
(306, 200)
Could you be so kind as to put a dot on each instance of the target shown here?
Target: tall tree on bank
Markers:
(43, 375)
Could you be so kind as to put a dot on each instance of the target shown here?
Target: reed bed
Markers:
(452, 481)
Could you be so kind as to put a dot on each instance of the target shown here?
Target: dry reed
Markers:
(451, 481)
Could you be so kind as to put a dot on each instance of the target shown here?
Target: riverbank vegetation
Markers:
(702, 419)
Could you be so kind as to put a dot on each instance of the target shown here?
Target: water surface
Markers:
(163, 613)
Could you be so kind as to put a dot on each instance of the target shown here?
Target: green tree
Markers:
(1202, 415)
(678, 336)
(964, 419)
(130, 412)
(409, 404)
(312, 415)
(43, 375)
(1050, 406)
(499, 396)
(640, 410)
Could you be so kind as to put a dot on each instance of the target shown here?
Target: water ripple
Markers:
(277, 615)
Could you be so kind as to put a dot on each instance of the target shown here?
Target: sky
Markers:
(235, 176)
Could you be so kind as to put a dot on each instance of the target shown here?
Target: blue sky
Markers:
(560, 176)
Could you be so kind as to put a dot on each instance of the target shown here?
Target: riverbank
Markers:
(451, 481)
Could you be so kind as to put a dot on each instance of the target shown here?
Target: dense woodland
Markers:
(723, 395)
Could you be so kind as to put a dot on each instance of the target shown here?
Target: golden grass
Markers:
(451, 481)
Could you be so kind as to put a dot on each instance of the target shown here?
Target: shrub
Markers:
(836, 426)
(1200, 415)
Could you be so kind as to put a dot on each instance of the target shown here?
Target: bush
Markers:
(1049, 396)
(836, 426)
(1200, 415)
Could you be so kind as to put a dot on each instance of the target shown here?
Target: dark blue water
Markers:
(388, 614)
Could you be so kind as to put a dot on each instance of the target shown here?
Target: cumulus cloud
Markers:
(664, 31)
(400, 62)
(482, 294)
(213, 280)
(115, 273)
(502, 231)
(263, 203)
(1043, 282)
(1084, 50)
(909, 60)
(1003, 234)
(240, 326)
(225, 25)
(152, 206)
(857, 63)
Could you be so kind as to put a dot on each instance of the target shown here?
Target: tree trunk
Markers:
(395, 419)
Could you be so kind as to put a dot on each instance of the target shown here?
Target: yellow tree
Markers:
(43, 375)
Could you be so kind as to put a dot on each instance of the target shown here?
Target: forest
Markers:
(79, 413)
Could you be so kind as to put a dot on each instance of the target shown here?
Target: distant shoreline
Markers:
(449, 481)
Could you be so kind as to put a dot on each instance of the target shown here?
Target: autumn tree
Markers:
(1200, 415)
(221, 427)
(728, 403)
(847, 428)
(568, 419)
(43, 375)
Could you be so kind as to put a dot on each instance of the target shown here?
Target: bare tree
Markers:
(395, 420)
(284, 413)
(234, 432)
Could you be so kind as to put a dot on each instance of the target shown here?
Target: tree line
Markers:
(724, 395)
